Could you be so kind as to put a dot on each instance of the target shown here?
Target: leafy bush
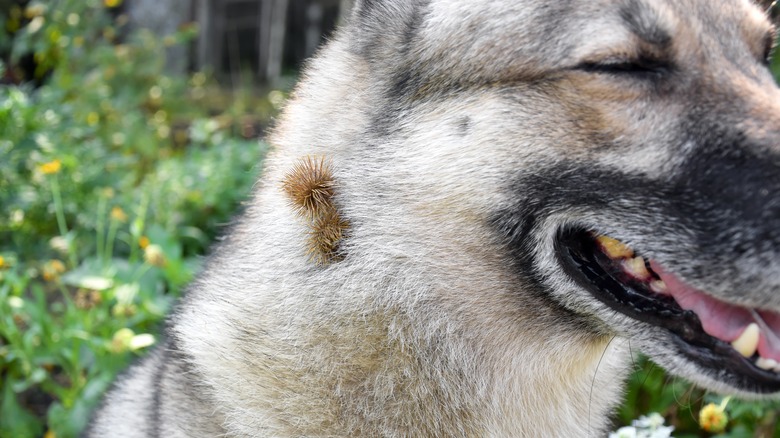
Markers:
(115, 179)
(650, 390)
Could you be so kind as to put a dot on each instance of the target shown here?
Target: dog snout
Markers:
(729, 197)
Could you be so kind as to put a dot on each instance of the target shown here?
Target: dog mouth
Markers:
(740, 345)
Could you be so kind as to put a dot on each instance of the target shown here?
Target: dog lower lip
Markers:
(581, 258)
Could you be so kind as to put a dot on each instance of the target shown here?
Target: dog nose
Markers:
(729, 193)
(739, 184)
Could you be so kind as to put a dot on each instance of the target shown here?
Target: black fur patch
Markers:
(719, 205)
(741, 186)
(413, 24)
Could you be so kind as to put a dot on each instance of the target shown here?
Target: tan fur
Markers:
(461, 139)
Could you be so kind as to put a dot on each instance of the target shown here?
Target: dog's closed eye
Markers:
(639, 66)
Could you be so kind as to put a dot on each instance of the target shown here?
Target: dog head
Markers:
(625, 154)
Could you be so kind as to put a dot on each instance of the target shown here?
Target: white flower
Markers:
(650, 426)
(625, 432)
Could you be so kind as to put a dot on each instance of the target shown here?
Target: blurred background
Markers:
(130, 132)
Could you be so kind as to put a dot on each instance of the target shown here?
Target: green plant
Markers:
(115, 178)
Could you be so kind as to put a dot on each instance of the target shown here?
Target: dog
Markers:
(475, 213)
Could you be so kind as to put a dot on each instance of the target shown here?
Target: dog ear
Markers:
(384, 12)
(384, 27)
(363, 10)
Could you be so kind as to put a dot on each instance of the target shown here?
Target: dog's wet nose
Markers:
(739, 185)
(729, 197)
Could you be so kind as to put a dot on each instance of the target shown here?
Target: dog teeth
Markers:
(636, 267)
(747, 343)
(767, 364)
(659, 287)
(615, 249)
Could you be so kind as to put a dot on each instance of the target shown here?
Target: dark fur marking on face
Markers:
(516, 231)
(413, 24)
(538, 196)
(645, 24)
(722, 200)
(382, 27)
(741, 183)
(383, 123)
(404, 83)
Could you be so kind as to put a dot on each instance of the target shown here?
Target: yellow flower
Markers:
(120, 342)
(93, 118)
(713, 418)
(51, 167)
(153, 254)
(50, 434)
(118, 214)
(124, 310)
(53, 269)
(54, 35)
(57, 266)
(143, 242)
(3, 263)
(34, 10)
(125, 339)
(112, 3)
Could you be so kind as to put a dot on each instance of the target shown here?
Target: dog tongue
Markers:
(722, 320)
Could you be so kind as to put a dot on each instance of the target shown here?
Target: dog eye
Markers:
(637, 67)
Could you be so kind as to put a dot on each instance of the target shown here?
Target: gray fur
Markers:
(463, 136)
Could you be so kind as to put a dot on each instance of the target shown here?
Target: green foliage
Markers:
(115, 177)
(651, 390)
